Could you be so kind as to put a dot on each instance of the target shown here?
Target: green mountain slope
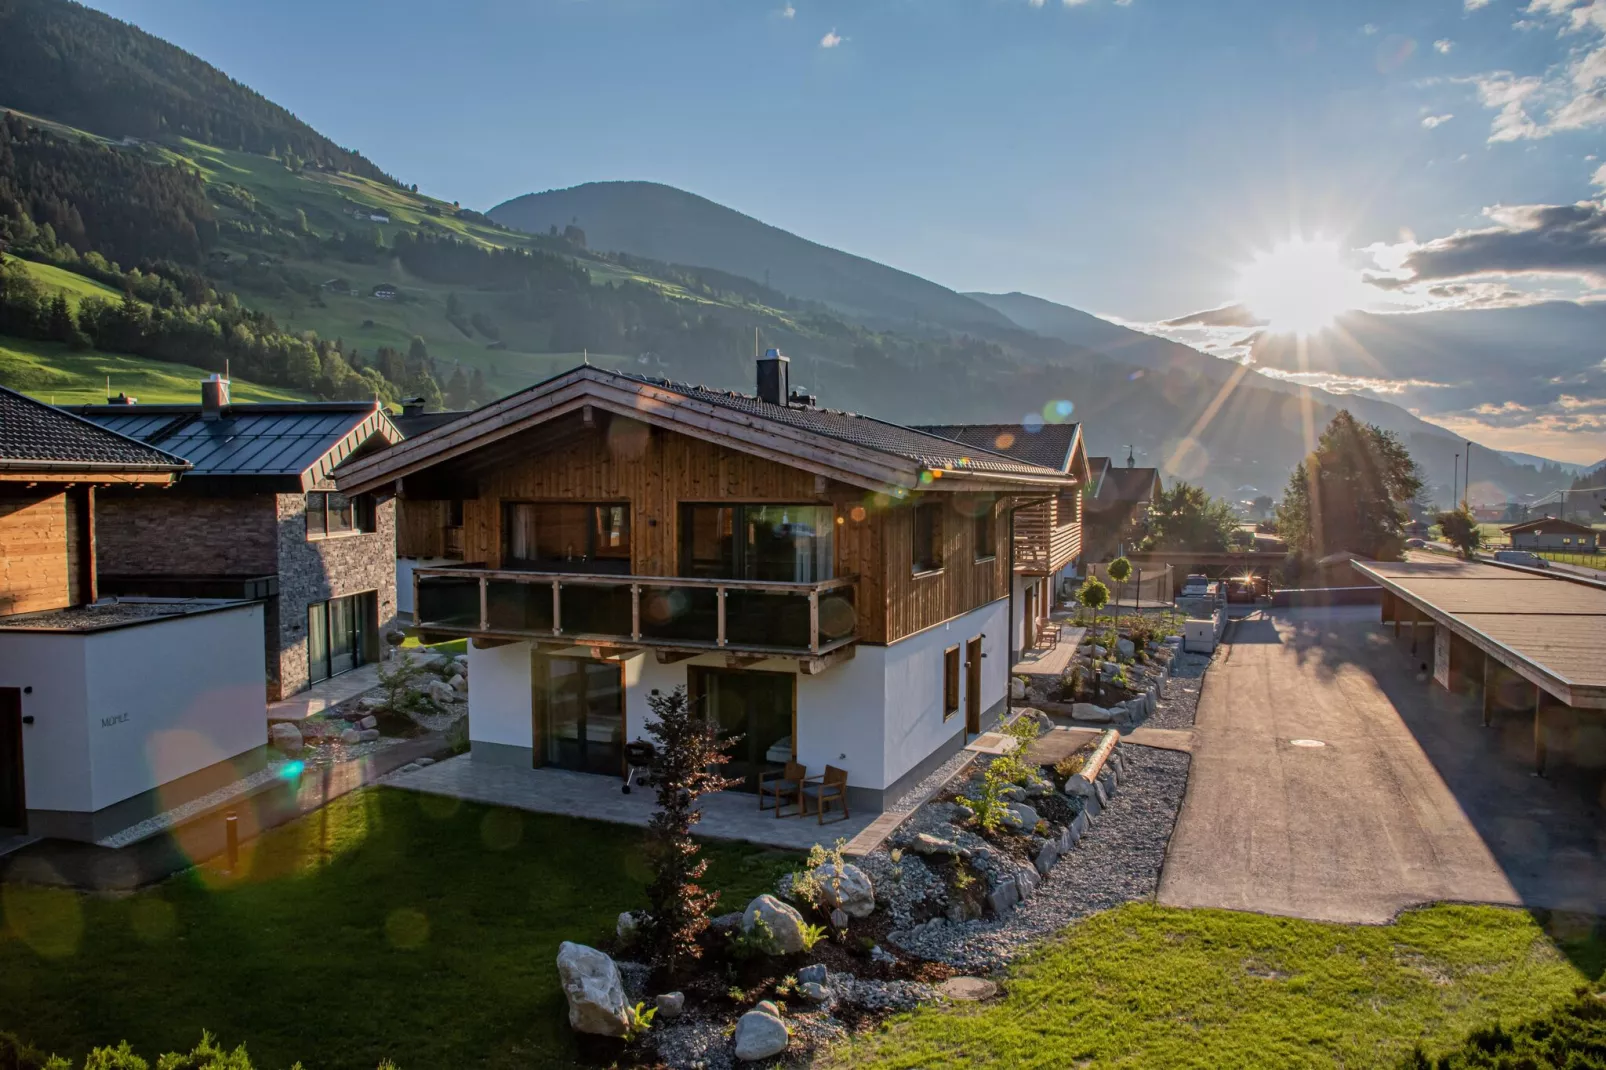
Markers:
(80, 67)
(667, 224)
(52, 372)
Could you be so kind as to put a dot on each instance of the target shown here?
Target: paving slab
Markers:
(1330, 782)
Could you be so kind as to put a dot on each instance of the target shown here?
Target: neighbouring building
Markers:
(110, 710)
(829, 587)
(1551, 533)
(1117, 502)
(1047, 530)
(429, 532)
(258, 515)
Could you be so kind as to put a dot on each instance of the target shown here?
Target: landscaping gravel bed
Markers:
(1118, 861)
(939, 776)
(1179, 699)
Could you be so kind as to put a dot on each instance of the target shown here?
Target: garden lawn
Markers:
(405, 926)
(1147, 986)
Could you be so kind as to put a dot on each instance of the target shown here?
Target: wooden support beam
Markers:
(1541, 744)
(744, 661)
(669, 657)
(815, 666)
(490, 644)
(1491, 676)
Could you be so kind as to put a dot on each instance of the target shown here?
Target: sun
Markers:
(1300, 286)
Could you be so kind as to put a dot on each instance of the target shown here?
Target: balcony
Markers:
(804, 620)
(1048, 537)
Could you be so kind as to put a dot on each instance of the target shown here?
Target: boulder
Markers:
(368, 722)
(670, 1004)
(592, 985)
(814, 992)
(350, 736)
(426, 761)
(968, 988)
(458, 683)
(627, 928)
(1097, 651)
(411, 767)
(1045, 723)
(1026, 882)
(1078, 787)
(923, 843)
(1003, 897)
(815, 973)
(1047, 857)
(846, 887)
(1038, 787)
(726, 922)
(785, 924)
(760, 1034)
(1124, 648)
(440, 692)
(1086, 711)
(367, 735)
(285, 737)
(1012, 793)
(1012, 821)
(839, 919)
(1028, 816)
(1017, 688)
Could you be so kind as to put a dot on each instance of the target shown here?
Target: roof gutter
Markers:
(90, 466)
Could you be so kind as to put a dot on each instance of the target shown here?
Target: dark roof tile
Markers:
(1047, 445)
(32, 432)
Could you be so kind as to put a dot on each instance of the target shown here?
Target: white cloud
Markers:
(1370, 29)
(1443, 45)
(1473, 5)
(831, 40)
(1570, 95)
(1599, 178)
(1509, 94)
(1431, 121)
(788, 12)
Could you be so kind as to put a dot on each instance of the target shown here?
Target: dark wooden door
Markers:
(13, 799)
(973, 686)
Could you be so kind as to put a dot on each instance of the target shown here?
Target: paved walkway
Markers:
(320, 697)
(726, 815)
(1407, 800)
(1053, 661)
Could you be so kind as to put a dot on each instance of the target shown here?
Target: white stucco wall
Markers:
(55, 748)
(122, 711)
(499, 699)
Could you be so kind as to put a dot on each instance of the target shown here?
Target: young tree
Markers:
(457, 395)
(1350, 493)
(1460, 529)
(1093, 595)
(1188, 519)
(1120, 571)
(684, 769)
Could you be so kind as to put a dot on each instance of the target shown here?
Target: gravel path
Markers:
(1118, 861)
(939, 776)
(1179, 699)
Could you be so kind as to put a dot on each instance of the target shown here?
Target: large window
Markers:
(781, 543)
(928, 537)
(332, 513)
(950, 682)
(566, 537)
(341, 635)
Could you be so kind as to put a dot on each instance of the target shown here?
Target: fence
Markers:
(1149, 585)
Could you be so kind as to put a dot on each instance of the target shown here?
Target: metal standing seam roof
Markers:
(930, 450)
(247, 440)
(36, 435)
(1046, 445)
(1555, 626)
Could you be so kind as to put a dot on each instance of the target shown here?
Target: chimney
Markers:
(412, 406)
(122, 399)
(214, 397)
(774, 377)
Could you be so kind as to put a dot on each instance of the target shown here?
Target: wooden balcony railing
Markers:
(676, 612)
(1047, 537)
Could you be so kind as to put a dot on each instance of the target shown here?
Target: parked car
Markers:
(1521, 557)
(1414, 544)
(1241, 591)
(1196, 586)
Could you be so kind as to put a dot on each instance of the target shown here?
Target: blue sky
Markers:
(1123, 158)
(1127, 158)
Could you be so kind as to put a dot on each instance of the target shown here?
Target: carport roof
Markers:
(1551, 630)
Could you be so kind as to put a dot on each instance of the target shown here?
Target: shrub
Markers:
(812, 934)
(638, 1020)
(1093, 595)
(207, 1055)
(400, 682)
(1572, 1036)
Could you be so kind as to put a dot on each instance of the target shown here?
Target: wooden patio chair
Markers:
(829, 788)
(1048, 634)
(787, 781)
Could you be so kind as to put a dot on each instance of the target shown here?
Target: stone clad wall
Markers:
(322, 569)
(154, 532)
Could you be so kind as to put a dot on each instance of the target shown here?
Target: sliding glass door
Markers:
(340, 635)
(753, 712)
(780, 543)
(583, 714)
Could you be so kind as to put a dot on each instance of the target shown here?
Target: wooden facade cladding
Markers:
(616, 459)
(46, 551)
(422, 532)
(1048, 535)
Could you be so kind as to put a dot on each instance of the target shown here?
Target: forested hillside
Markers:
(86, 69)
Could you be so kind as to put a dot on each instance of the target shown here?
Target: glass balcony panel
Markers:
(683, 614)
(594, 609)
(519, 607)
(762, 618)
(452, 601)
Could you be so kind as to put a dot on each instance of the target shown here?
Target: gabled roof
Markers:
(37, 438)
(1127, 485)
(1048, 445)
(411, 425)
(1096, 468)
(842, 445)
(283, 442)
(1550, 524)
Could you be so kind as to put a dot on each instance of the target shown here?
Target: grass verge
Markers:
(391, 924)
(1148, 986)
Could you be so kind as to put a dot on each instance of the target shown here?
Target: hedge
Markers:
(207, 1055)
(1571, 1037)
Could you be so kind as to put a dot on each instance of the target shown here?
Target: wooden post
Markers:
(557, 607)
(635, 611)
(719, 597)
(485, 604)
(1490, 674)
(814, 621)
(1412, 610)
(1541, 748)
(88, 580)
